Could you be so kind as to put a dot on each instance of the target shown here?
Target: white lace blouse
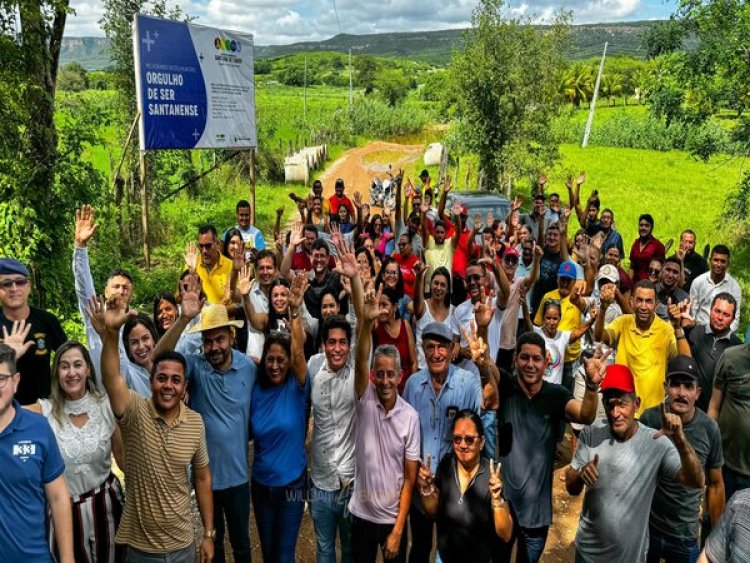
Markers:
(86, 450)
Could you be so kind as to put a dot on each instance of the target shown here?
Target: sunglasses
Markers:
(207, 246)
(469, 440)
(8, 284)
(654, 271)
(474, 278)
(510, 259)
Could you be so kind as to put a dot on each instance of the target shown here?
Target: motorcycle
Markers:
(383, 192)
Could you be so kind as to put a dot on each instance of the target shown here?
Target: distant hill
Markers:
(427, 46)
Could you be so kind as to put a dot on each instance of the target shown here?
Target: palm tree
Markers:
(578, 84)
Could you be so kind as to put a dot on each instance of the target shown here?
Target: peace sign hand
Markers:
(476, 344)
(596, 367)
(484, 309)
(495, 482)
(17, 337)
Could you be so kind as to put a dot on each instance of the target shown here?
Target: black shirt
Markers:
(694, 265)
(706, 350)
(34, 365)
(547, 280)
(663, 295)
(465, 524)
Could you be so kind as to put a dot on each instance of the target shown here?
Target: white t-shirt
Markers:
(556, 350)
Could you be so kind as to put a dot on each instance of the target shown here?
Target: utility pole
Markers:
(143, 170)
(351, 100)
(304, 106)
(590, 120)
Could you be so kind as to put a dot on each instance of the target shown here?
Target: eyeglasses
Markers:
(207, 246)
(402, 244)
(654, 271)
(8, 284)
(469, 440)
(390, 273)
(4, 380)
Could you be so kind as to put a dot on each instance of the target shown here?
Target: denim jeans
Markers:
(278, 515)
(671, 549)
(329, 511)
(531, 543)
(368, 537)
(234, 504)
(184, 555)
(734, 481)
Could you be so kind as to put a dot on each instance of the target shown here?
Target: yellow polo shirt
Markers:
(570, 319)
(216, 280)
(646, 354)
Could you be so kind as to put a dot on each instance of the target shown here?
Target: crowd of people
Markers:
(410, 377)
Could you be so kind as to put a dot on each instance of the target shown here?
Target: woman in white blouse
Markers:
(88, 435)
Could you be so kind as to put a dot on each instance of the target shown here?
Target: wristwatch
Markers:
(209, 534)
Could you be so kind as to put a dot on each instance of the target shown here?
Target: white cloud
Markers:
(285, 21)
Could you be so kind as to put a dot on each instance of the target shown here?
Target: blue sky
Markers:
(290, 21)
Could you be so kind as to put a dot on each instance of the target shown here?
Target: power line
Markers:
(335, 11)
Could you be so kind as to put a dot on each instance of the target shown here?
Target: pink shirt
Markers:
(383, 442)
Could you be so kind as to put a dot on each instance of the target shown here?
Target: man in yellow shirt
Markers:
(571, 310)
(644, 342)
(213, 268)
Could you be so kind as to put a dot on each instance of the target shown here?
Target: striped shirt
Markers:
(158, 516)
(730, 540)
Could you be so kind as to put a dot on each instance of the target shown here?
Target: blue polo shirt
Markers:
(223, 400)
(29, 459)
(462, 390)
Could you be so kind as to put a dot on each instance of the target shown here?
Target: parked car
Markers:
(481, 202)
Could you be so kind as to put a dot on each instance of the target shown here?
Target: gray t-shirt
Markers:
(729, 542)
(614, 518)
(674, 511)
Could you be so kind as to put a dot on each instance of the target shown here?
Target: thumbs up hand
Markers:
(590, 472)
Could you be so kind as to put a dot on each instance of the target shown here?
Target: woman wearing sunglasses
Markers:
(465, 496)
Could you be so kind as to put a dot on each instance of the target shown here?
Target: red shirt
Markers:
(640, 259)
(407, 271)
(301, 262)
(461, 254)
(336, 202)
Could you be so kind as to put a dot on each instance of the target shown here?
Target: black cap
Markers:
(684, 366)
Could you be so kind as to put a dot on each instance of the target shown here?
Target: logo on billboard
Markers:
(229, 45)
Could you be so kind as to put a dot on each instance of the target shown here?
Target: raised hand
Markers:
(244, 280)
(456, 209)
(191, 303)
(372, 305)
(85, 225)
(117, 313)
(569, 182)
(477, 222)
(298, 234)
(447, 187)
(357, 199)
(424, 207)
(590, 472)
(495, 482)
(542, 180)
(596, 367)
(607, 294)
(671, 425)
(476, 344)
(95, 312)
(581, 178)
(297, 291)
(346, 261)
(484, 308)
(425, 478)
(17, 337)
(516, 205)
(419, 269)
(238, 260)
(490, 219)
(191, 256)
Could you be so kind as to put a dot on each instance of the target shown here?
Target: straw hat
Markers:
(214, 316)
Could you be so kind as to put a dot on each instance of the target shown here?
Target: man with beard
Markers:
(298, 257)
(519, 285)
(716, 280)
(620, 462)
(213, 268)
(531, 414)
(644, 342)
(708, 342)
(610, 236)
(163, 438)
(668, 289)
(693, 263)
(439, 250)
(644, 249)
(555, 252)
(675, 511)
(220, 385)
(338, 199)
(477, 287)
(386, 451)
